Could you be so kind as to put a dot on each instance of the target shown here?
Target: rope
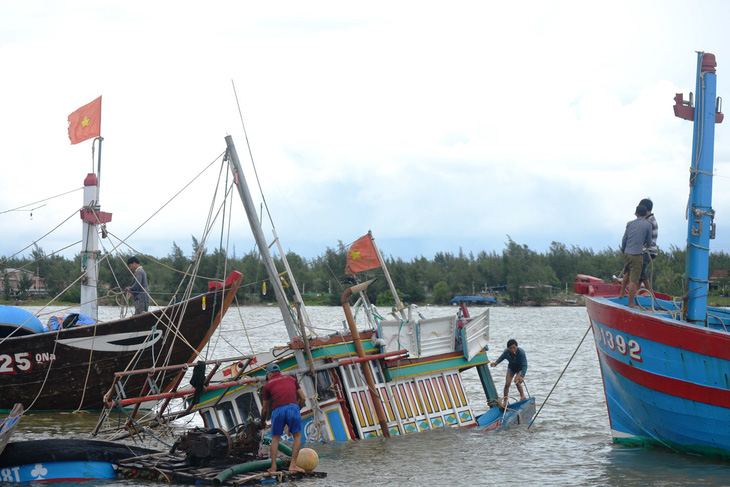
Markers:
(5, 259)
(172, 330)
(174, 196)
(48, 371)
(561, 375)
(41, 201)
(88, 372)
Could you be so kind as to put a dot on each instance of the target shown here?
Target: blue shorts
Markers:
(286, 415)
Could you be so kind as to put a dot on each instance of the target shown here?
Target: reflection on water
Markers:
(569, 444)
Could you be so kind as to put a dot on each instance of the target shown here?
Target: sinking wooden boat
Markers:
(389, 376)
(7, 425)
(503, 418)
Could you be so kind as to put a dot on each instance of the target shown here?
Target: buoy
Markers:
(307, 459)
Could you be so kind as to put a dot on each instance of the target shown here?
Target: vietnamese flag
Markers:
(85, 123)
(361, 256)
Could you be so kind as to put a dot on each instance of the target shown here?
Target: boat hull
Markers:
(63, 460)
(74, 368)
(666, 381)
(498, 419)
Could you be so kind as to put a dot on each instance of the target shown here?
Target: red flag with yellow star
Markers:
(361, 256)
(85, 123)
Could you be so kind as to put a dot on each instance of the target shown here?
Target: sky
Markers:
(440, 126)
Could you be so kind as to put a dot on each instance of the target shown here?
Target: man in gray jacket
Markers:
(140, 290)
(651, 252)
(637, 236)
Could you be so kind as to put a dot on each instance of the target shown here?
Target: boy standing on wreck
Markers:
(516, 368)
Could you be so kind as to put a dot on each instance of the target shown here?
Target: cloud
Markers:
(438, 127)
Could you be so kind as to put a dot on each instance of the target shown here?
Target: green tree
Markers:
(25, 282)
(516, 259)
(6, 286)
(442, 293)
(385, 298)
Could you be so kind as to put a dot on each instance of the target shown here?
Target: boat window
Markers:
(225, 415)
(247, 407)
(346, 376)
(325, 387)
(354, 376)
(207, 419)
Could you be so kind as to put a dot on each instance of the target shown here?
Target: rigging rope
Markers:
(41, 201)
(590, 326)
(75, 212)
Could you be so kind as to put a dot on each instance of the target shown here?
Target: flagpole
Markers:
(92, 217)
(398, 303)
(98, 171)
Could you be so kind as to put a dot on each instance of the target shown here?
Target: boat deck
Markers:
(173, 468)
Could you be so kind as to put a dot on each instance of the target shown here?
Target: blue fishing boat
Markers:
(665, 364)
(474, 300)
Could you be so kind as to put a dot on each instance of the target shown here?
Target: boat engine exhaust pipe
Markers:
(374, 396)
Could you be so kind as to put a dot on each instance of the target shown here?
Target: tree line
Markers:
(517, 275)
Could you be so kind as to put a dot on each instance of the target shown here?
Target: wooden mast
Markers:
(374, 396)
(701, 226)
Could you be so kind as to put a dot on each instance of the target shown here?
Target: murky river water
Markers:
(569, 443)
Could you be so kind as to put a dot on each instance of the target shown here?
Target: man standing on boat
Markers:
(637, 236)
(140, 290)
(284, 397)
(516, 368)
(651, 252)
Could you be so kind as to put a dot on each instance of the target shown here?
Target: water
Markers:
(569, 443)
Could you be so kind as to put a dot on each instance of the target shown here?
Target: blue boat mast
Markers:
(701, 226)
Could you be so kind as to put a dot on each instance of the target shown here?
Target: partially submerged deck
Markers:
(174, 468)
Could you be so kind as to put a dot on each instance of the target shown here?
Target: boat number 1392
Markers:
(616, 341)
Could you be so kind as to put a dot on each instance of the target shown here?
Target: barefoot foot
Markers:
(294, 468)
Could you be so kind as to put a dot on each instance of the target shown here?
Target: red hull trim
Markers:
(668, 332)
(668, 385)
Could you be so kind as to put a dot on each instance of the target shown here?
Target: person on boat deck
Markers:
(651, 251)
(637, 236)
(140, 290)
(284, 397)
(516, 368)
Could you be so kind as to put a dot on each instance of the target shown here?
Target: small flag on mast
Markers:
(85, 123)
(361, 256)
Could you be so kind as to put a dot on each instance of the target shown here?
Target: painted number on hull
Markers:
(618, 342)
(10, 474)
(11, 364)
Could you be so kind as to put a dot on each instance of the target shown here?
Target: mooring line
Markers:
(561, 375)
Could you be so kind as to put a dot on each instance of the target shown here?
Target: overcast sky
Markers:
(437, 125)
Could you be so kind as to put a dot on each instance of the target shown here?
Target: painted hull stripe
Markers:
(668, 385)
(669, 332)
